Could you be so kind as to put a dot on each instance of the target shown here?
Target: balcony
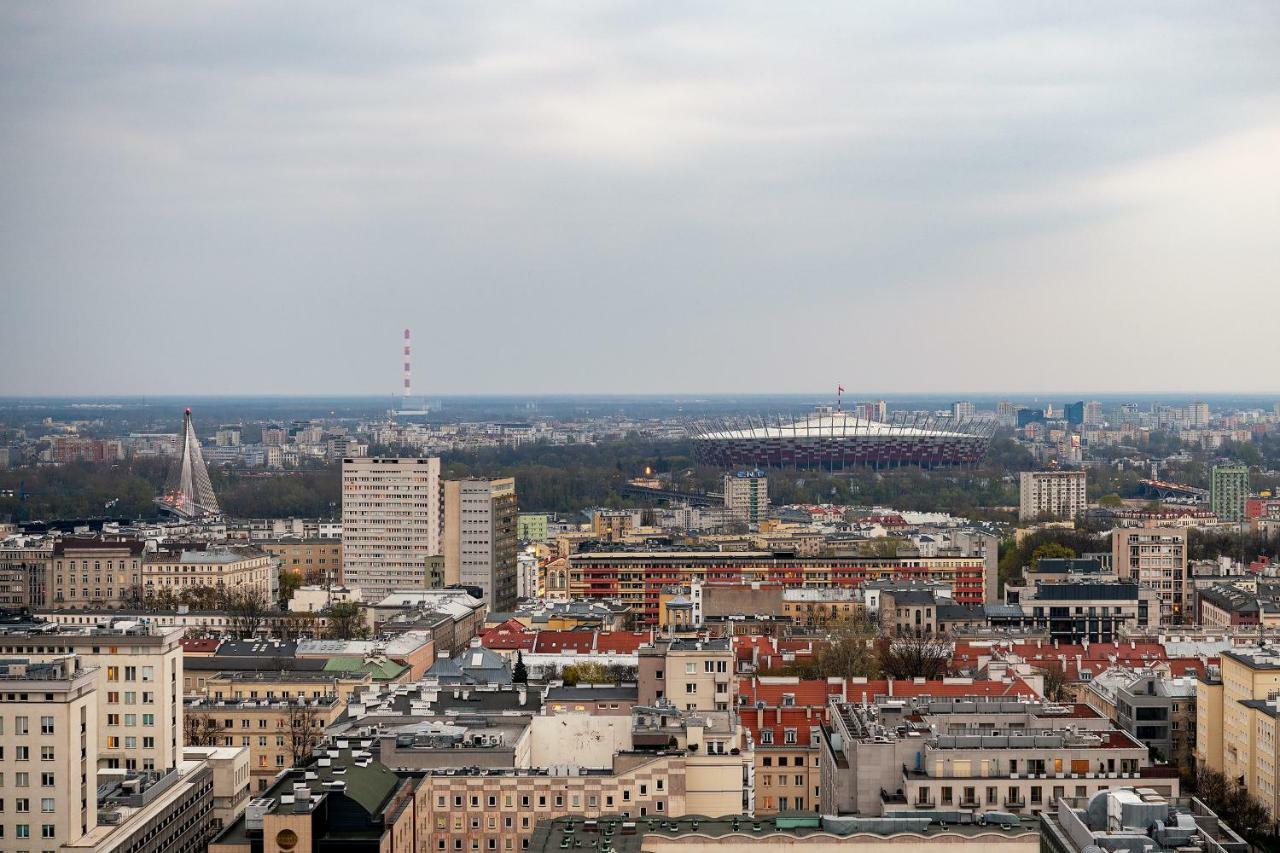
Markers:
(1017, 803)
(969, 803)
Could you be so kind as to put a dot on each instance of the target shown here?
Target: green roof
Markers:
(386, 670)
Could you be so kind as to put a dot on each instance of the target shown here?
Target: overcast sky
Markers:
(638, 197)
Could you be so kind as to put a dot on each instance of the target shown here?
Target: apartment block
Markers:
(138, 673)
(480, 538)
(746, 496)
(102, 572)
(315, 560)
(1229, 491)
(1156, 558)
(392, 521)
(24, 571)
(975, 755)
(694, 675)
(48, 752)
(1237, 721)
(1051, 494)
(279, 733)
(146, 812)
(232, 570)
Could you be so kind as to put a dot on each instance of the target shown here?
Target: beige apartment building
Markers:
(1236, 721)
(1051, 495)
(391, 522)
(230, 569)
(480, 538)
(48, 752)
(24, 571)
(278, 733)
(230, 766)
(103, 572)
(315, 560)
(1156, 558)
(138, 672)
(695, 675)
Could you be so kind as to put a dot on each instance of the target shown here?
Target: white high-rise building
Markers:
(963, 409)
(480, 538)
(1051, 494)
(391, 523)
(746, 496)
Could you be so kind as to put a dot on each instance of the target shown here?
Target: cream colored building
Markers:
(277, 732)
(48, 749)
(103, 572)
(229, 569)
(230, 765)
(138, 672)
(391, 521)
(695, 675)
(1236, 722)
(480, 538)
(1051, 494)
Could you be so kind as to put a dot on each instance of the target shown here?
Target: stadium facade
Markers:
(832, 439)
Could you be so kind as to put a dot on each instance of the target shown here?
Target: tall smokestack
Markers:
(408, 372)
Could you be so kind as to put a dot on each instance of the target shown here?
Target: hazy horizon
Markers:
(245, 199)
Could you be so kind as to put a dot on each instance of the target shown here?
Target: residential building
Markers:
(695, 675)
(963, 409)
(1229, 491)
(101, 572)
(963, 755)
(279, 733)
(233, 570)
(1093, 415)
(48, 751)
(230, 766)
(531, 527)
(1156, 558)
(341, 800)
(1077, 611)
(138, 674)
(1157, 709)
(480, 538)
(746, 496)
(1237, 714)
(638, 578)
(392, 522)
(24, 571)
(1051, 494)
(316, 560)
(152, 812)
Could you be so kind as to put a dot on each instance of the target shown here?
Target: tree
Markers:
(1112, 501)
(292, 626)
(346, 622)
(1055, 681)
(289, 583)
(520, 675)
(248, 609)
(588, 672)
(304, 729)
(199, 729)
(1051, 551)
(915, 657)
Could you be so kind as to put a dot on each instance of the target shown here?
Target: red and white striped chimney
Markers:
(408, 372)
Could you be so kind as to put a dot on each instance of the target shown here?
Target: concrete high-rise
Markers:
(391, 523)
(48, 752)
(1051, 494)
(963, 409)
(1229, 491)
(746, 496)
(480, 538)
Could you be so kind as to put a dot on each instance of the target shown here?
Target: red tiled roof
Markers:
(622, 642)
(554, 642)
(815, 692)
(200, 646)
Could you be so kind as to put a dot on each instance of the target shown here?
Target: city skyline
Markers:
(719, 197)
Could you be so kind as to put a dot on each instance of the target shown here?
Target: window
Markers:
(46, 805)
(690, 668)
(46, 753)
(46, 725)
(20, 726)
(690, 687)
(46, 780)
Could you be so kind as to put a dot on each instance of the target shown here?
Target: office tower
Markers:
(391, 523)
(48, 752)
(963, 409)
(746, 496)
(1006, 413)
(1229, 491)
(1051, 494)
(1074, 412)
(1029, 416)
(480, 538)
(1093, 413)
(1155, 557)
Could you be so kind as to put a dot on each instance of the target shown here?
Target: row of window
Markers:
(22, 725)
(23, 753)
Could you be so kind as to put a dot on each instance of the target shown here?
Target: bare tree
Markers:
(248, 608)
(304, 729)
(199, 729)
(1055, 681)
(915, 657)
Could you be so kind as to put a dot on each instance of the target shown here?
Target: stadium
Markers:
(831, 440)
